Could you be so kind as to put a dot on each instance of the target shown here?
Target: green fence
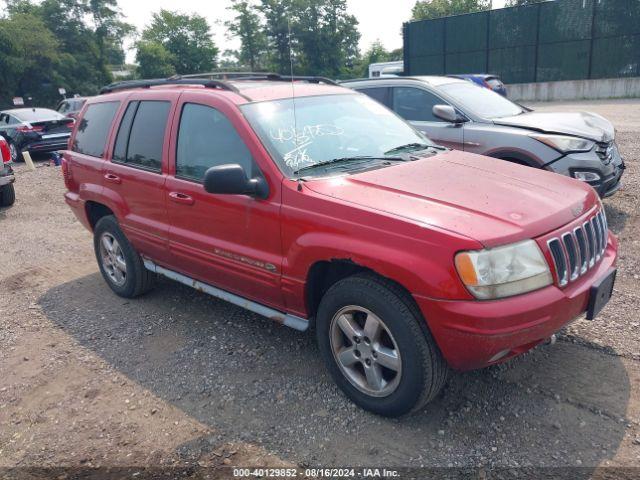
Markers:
(554, 40)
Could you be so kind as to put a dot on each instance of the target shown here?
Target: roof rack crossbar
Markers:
(129, 84)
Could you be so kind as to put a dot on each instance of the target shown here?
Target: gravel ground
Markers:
(179, 378)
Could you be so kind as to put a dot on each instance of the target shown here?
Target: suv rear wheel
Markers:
(375, 349)
(120, 265)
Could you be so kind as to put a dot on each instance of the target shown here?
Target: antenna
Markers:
(293, 91)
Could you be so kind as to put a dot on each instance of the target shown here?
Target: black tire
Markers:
(424, 370)
(7, 195)
(138, 279)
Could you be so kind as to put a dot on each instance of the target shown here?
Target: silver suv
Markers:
(464, 116)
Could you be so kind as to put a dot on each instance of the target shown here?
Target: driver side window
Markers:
(415, 104)
(206, 138)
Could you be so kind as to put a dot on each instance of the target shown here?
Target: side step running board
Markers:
(292, 321)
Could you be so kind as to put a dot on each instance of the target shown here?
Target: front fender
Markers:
(427, 270)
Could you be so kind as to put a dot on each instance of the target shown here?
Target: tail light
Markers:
(66, 170)
(66, 174)
(70, 123)
(30, 128)
(5, 153)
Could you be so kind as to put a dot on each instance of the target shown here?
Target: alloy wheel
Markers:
(365, 351)
(113, 260)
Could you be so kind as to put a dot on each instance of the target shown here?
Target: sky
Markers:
(379, 19)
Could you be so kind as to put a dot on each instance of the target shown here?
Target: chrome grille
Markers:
(577, 251)
(604, 150)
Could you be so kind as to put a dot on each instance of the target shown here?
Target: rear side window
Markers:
(206, 139)
(141, 135)
(93, 129)
(381, 94)
(415, 104)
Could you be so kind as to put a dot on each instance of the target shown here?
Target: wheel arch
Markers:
(323, 274)
(515, 156)
(95, 211)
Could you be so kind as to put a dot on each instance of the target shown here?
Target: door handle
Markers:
(110, 177)
(183, 198)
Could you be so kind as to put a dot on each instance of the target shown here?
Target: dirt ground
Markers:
(178, 379)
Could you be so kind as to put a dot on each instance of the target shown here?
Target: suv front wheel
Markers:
(120, 265)
(374, 347)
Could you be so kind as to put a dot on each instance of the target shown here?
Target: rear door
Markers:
(416, 105)
(229, 241)
(135, 176)
(88, 146)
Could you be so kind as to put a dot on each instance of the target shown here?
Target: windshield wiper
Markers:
(411, 147)
(346, 160)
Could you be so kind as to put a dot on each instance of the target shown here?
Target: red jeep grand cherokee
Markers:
(328, 209)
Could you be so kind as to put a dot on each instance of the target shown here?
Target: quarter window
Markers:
(93, 129)
(141, 135)
(207, 138)
(415, 104)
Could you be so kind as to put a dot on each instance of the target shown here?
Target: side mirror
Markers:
(231, 179)
(448, 114)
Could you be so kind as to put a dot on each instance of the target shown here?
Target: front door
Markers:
(229, 241)
(416, 106)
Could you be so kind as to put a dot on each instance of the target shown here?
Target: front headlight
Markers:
(504, 271)
(565, 144)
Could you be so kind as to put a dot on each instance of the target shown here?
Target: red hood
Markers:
(489, 200)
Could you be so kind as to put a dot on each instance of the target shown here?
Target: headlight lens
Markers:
(504, 271)
(565, 144)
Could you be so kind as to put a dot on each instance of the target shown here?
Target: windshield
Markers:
(329, 127)
(481, 101)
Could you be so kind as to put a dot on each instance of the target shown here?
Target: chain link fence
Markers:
(554, 40)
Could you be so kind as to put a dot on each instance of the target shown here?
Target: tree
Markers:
(327, 37)
(154, 61)
(247, 26)
(425, 9)
(278, 17)
(50, 44)
(28, 56)
(374, 54)
(186, 37)
(110, 30)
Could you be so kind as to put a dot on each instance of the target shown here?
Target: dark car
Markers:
(7, 193)
(486, 80)
(34, 130)
(70, 107)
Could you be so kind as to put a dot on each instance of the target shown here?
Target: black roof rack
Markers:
(275, 77)
(401, 77)
(129, 84)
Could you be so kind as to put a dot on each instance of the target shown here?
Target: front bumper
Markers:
(475, 334)
(610, 173)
